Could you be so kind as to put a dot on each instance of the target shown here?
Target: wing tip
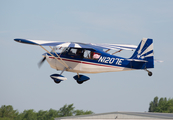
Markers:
(25, 41)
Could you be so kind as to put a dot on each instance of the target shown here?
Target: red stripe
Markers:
(52, 57)
(67, 60)
(72, 60)
(100, 65)
(87, 63)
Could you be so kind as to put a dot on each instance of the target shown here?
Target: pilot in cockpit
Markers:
(79, 53)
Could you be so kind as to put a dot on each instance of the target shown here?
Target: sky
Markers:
(24, 86)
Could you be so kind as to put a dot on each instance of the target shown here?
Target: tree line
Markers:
(162, 105)
(8, 113)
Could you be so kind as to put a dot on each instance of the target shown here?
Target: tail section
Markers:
(144, 52)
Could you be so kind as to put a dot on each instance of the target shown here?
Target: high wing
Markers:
(77, 45)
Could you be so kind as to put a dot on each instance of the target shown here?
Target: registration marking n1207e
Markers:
(110, 60)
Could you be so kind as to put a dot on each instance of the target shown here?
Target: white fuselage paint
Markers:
(78, 66)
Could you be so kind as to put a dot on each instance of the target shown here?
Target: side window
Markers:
(77, 53)
(96, 56)
(88, 54)
(72, 51)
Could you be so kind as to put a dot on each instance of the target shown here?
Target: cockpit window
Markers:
(75, 52)
(88, 54)
(81, 53)
(64, 51)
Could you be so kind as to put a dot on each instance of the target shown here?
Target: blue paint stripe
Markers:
(148, 53)
(71, 45)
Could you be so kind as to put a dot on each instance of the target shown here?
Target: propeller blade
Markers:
(41, 62)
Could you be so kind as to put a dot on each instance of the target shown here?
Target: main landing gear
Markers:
(80, 78)
(58, 77)
(149, 73)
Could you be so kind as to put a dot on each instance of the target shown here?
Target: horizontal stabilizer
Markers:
(158, 61)
(137, 60)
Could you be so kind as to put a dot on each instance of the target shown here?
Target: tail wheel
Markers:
(150, 73)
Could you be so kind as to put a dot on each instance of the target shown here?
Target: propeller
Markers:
(44, 58)
(41, 62)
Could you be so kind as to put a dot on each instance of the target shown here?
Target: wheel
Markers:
(79, 82)
(57, 82)
(150, 73)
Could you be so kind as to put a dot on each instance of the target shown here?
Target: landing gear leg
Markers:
(149, 73)
(63, 70)
(79, 82)
(78, 75)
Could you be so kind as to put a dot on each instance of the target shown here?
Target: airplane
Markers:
(93, 58)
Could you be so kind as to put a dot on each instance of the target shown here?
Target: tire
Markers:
(79, 82)
(57, 82)
(150, 73)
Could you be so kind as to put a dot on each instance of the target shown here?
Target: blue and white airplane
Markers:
(93, 58)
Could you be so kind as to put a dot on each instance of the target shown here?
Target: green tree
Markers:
(153, 104)
(170, 106)
(8, 112)
(5, 118)
(29, 115)
(42, 115)
(151, 108)
(66, 110)
(52, 114)
(161, 105)
(82, 112)
(164, 105)
(19, 117)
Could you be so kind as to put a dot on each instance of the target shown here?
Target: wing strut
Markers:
(64, 64)
(107, 50)
(59, 57)
(117, 52)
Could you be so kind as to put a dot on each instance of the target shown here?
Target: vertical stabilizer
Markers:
(145, 52)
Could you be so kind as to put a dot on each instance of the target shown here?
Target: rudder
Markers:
(145, 52)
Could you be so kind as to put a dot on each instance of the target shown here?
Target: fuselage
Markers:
(89, 61)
